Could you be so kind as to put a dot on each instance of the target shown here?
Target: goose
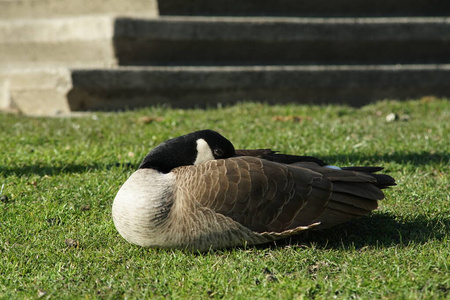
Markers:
(197, 192)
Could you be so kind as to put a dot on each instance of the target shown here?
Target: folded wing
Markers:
(272, 198)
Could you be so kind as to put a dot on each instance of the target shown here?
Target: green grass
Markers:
(60, 175)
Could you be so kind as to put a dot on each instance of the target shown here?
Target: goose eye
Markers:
(218, 152)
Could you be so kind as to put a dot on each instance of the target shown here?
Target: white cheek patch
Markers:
(204, 152)
(333, 167)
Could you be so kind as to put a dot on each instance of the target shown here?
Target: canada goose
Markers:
(197, 192)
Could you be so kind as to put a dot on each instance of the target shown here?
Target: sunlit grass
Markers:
(59, 176)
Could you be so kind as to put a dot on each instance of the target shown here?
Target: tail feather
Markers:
(332, 217)
(363, 169)
(361, 189)
(383, 181)
(356, 201)
(355, 192)
(347, 208)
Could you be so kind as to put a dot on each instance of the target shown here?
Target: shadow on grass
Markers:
(52, 170)
(414, 158)
(380, 230)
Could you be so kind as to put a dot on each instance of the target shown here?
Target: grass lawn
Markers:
(59, 177)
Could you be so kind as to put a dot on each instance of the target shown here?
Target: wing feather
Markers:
(275, 199)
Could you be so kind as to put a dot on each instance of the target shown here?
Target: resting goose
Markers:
(197, 192)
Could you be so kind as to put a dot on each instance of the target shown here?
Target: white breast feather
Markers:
(139, 205)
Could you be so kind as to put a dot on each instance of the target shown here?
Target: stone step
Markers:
(275, 40)
(74, 41)
(24, 9)
(111, 40)
(61, 91)
(321, 8)
(12, 9)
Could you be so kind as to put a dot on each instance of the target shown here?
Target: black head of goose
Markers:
(197, 192)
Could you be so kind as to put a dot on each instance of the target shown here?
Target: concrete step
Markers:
(321, 8)
(111, 40)
(11, 9)
(75, 41)
(275, 40)
(61, 91)
(24, 9)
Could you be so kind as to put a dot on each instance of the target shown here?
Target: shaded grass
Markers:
(60, 175)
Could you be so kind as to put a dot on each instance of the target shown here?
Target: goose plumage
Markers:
(197, 192)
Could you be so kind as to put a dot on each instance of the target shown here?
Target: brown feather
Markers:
(271, 155)
(275, 200)
(363, 203)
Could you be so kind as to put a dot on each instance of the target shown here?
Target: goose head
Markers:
(190, 149)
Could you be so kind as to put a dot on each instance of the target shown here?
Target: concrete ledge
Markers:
(270, 40)
(10, 9)
(203, 86)
(50, 92)
(323, 8)
(99, 41)
(5, 98)
(15, 9)
(36, 92)
(82, 41)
